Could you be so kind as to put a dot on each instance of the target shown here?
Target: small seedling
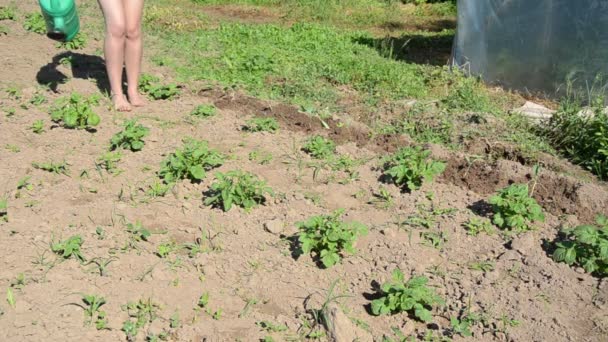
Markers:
(474, 226)
(37, 99)
(382, 199)
(101, 265)
(158, 189)
(271, 327)
(92, 312)
(69, 248)
(192, 162)
(148, 84)
(409, 167)
(75, 111)
(174, 321)
(34, 22)
(38, 127)
(262, 125)
(412, 296)
(329, 237)
(319, 147)
(515, 210)
(585, 246)
(109, 162)
(140, 313)
(203, 301)
(434, 239)
(261, 157)
(10, 298)
(56, 168)
(3, 209)
(204, 111)
(483, 266)
(138, 232)
(166, 248)
(239, 188)
(130, 138)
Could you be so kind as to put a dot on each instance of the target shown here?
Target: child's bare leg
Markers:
(134, 48)
(114, 49)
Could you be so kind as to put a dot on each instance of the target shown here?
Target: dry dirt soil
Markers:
(526, 296)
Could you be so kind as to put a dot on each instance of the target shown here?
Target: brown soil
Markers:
(243, 261)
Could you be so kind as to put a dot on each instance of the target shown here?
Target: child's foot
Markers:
(136, 99)
(120, 103)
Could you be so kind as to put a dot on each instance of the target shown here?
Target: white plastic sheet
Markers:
(533, 45)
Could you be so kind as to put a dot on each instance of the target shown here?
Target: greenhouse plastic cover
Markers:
(533, 45)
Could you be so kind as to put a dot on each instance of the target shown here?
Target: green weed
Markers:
(319, 147)
(10, 298)
(412, 296)
(409, 167)
(467, 95)
(93, 312)
(204, 111)
(56, 168)
(329, 237)
(38, 99)
(474, 226)
(131, 137)
(261, 157)
(158, 189)
(483, 266)
(34, 22)
(149, 84)
(239, 188)
(69, 248)
(140, 314)
(271, 327)
(192, 162)
(7, 13)
(515, 210)
(262, 125)
(138, 232)
(585, 246)
(109, 162)
(75, 111)
(38, 127)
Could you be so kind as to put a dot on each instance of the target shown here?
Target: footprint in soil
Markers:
(83, 67)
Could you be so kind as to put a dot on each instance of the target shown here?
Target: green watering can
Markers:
(61, 19)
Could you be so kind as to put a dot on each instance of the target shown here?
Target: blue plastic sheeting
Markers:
(534, 45)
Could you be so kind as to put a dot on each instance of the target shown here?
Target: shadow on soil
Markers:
(83, 67)
(413, 48)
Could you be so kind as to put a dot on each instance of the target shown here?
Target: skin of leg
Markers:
(114, 49)
(134, 48)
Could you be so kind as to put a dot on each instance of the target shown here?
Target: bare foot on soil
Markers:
(136, 99)
(120, 103)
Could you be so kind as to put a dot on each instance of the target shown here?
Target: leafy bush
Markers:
(329, 237)
(409, 167)
(581, 138)
(514, 209)
(262, 125)
(586, 246)
(319, 147)
(130, 138)
(75, 111)
(34, 22)
(192, 162)
(204, 111)
(77, 43)
(148, 84)
(236, 187)
(412, 296)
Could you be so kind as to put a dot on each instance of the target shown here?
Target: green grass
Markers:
(303, 64)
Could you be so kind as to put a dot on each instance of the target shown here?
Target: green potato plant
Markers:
(329, 237)
(515, 210)
(192, 162)
(319, 147)
(69, 248)
(148, 84)
(585, 246)
(262, 125)
(131, 137)
(413, 296)
(75, 111)
(409, 167)
(204, 111)
(238, 188)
